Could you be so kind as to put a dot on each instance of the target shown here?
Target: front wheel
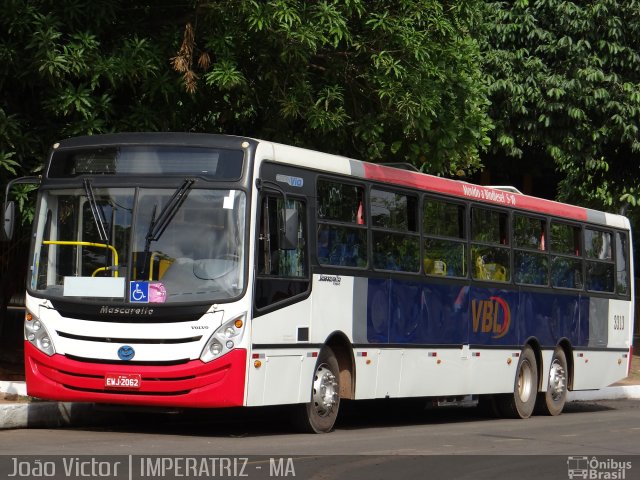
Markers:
(319, 415)
(552, 401)
(521, 403)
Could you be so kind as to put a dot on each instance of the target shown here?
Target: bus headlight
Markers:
(36, 333)
(224, 339)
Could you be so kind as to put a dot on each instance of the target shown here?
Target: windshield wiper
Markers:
(98, 214)
(158, 225)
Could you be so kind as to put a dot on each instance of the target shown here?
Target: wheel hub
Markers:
(557, 381)
(525, 378)
(325, 391)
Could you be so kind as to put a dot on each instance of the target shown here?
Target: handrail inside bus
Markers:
(113, 268)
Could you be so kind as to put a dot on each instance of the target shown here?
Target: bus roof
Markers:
(445, 186)
(365, 170)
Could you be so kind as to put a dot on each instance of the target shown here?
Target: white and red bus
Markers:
(194, 270)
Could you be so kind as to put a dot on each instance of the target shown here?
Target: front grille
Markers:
(180, 361)
(147, 341)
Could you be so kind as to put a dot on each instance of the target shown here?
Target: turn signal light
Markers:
(238, 323)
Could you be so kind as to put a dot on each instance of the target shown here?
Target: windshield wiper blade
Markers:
(98, 214)
(159, 225)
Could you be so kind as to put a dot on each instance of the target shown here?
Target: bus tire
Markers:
(319, 415)
(553, 400)
(521, 403)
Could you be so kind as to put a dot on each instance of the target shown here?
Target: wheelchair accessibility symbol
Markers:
(139, 292)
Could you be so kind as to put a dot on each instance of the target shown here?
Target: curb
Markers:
(14, 388)
(44, 414)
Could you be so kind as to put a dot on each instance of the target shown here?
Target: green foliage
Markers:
(564, 82)
(376, 80)
(76, 67)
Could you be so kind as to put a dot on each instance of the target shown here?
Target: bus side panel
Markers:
(620, 324)
(278, 377)
(597, 369)
(283, 372)
(492, 370)
(609, 327)
(334, 305)
(435, 372)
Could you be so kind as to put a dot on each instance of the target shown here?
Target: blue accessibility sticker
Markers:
(138, 292)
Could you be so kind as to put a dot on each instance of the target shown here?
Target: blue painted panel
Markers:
(378, 311)
(550, 317)
(493, 317)
(410, 312)
(416, 312)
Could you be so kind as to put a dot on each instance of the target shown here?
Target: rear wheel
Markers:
(319, 415)
(552, 401)
(521, 403)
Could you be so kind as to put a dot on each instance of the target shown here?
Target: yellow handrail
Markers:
(163, 257)
(89, 244)
(153, 257)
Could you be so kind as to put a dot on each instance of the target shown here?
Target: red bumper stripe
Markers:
(219, 383)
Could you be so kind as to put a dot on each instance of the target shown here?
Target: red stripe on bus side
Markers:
(473, 192)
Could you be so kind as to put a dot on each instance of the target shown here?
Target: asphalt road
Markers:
(378, 439)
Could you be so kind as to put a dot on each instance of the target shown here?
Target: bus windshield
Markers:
(140, 245)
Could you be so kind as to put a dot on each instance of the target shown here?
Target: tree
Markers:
(564, 83)
(377, 80)
(74, 67)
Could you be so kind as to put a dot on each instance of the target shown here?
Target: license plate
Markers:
(124, 381)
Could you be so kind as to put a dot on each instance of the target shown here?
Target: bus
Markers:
(210, 271)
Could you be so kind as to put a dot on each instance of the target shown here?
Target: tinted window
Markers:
(529, 232)
(394, 217)
(444, 242)
(341, 235)
(340, 202)
(489, 226)
(393, 210)
(622, 264)
(565, 239)
(489, 251)
(443, 219)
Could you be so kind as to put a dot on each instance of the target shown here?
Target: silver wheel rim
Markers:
(325, 391)
(525, 381)
(557, 380)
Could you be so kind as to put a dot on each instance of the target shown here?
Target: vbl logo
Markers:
(487, 318)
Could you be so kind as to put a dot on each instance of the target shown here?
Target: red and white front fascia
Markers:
(186, 364)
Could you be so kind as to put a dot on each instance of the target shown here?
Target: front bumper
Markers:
(219, 383)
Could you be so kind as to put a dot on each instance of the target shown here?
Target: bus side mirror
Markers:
(8, 221)
(289, 231)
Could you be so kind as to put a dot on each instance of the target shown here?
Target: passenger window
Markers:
(340, 202)
(444, 239)
(600, 265)
(565, 239)
(490, 253)
(622, 264)
(531, 262)
(342, 234)
(566, 267)
(396, 243)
